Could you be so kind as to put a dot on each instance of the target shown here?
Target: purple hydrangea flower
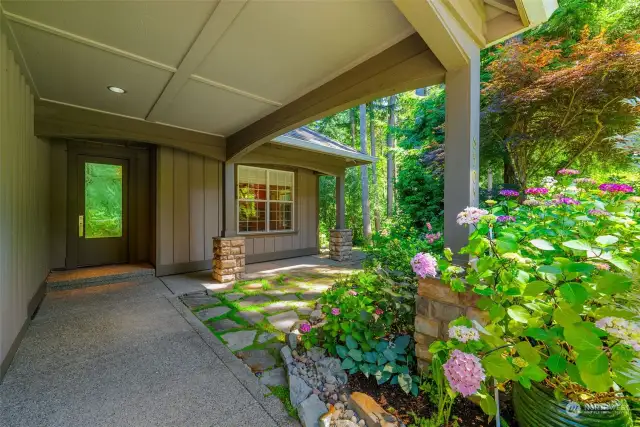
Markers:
(616, 188)
(305, 328)
(464, 372)
(598, 212)
(424, 265)
(568, 172)
(509, 193)
(566, 201)
(536, 191)
(335, 311)
(505, 218)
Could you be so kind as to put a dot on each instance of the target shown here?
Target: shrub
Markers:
(558, 278)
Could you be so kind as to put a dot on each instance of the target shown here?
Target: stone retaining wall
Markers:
(436, 306)
(341, 244)
(228, 258)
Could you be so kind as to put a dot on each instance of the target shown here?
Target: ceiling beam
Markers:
(219, 21)
(55, 120)
(407, 65)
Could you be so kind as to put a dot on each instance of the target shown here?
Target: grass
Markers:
(282, 393)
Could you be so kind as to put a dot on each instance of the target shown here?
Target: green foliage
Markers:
(103, 200)
(282, 393)
(546, 280)
(440, 394)
(368, 323)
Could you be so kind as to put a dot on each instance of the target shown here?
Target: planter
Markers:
(537, 407)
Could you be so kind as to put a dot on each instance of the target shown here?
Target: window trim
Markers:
(267, 202)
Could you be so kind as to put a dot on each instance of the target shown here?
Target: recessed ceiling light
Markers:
(116, 89)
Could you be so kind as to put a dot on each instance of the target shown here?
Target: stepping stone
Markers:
(212, 312)
(193, 301)
(274, 377)
(254, 286)
(254, 300)
(288, 297)
(253, 317)
(311, 295)
(257, 360)
(304, 311)
(233, 296)
(239, 340)
(266, 336)
(275, 307)
(284, 321)
(224, 325)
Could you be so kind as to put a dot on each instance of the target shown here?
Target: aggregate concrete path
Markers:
(129, 354)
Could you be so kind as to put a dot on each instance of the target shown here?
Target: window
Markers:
(265, 200)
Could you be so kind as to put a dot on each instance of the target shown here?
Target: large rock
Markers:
(274, 377)
(310, 411)
(315, 316)
(315, 353)
(298, 390)
(331, 367)
(345, 423)
(372, 413)
(257, 360)
(287, 357)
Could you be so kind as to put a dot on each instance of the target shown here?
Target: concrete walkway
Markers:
(129, 354)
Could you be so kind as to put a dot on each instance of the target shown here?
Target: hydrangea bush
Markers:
(557, 273)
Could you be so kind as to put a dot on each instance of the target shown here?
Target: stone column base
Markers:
(341, 244)
(437, 305)
(228, 258)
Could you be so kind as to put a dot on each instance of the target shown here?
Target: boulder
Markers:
(310, 411)
(298, 390)
(331, 366)
(285, 353)
(372, 413)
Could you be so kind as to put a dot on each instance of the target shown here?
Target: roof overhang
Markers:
(358, 158)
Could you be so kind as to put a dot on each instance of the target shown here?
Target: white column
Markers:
(462, 140)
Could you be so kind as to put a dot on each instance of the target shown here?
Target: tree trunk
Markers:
(364, 175)
(508, 173)
(391, 143)
(374, 176)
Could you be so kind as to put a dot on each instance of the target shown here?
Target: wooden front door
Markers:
(102, 217)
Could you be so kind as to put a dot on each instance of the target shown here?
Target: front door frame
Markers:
(84, 148)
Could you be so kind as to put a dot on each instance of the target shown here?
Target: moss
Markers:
(282, 393)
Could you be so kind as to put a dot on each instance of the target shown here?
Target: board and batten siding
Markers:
(24, 207)
(188, 210)
(304, 240)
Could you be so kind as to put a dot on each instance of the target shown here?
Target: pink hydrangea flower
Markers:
(598, 212)
(424, 265)
(429, 227)
(568, 172)
(601, 266)
(335, 311)
(379, 311)
(464, 372)
(471, 216)
(353, 293)
(464, 334)
(509, 193)
(536, 191)
(305, 328)
(432, 237)
(616, 188)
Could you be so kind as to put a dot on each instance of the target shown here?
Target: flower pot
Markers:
(537, 407)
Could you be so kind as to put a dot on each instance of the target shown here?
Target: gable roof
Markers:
(308, 139)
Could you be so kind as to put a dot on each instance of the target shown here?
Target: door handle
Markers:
(80, 225)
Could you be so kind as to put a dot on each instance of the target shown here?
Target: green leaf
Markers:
(497, 312)
(351, 342)
(564, 315)
(574, 293)
(599, 383)
(574, 374)
(612, 283)
(606, 240)
(504, 246)
(535, 288)
(342, 351)
(592, 361)
(348, 363)
(405, 382)
(536, 333)
(556, 364)
(389, 354)
(620, 263)
(370, 357)
(488, 405)
(628, 375)
(534, 373)
(542, 244)
(580, 337)
(549, 269)
(579, 245)
(580, 267)
(356, 355)
(528, 353)
(402, 342)
(498, 367)
(518, 313)
(382, 346)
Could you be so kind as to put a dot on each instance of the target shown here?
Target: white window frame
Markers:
(267, 201)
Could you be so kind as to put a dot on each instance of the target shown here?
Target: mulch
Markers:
(404, 406)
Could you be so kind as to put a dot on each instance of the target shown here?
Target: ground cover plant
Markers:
(556, 268)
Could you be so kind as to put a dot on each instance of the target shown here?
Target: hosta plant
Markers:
(557, 271)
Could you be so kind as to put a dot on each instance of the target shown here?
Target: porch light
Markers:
(116, 89)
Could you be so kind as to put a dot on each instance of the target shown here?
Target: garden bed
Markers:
(403, 405)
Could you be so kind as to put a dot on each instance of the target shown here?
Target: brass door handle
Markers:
(80, 225)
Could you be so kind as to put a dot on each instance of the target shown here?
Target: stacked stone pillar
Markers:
(436, 306)
(228, 258)
(341, 244)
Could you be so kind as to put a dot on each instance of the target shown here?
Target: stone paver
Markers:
(212, 312)
(239, 340)
(266, 336)
(311, 295)
(276, 307)
(193, 301)
(257, 360)
(253, 317)
(304, 311)
(284, 321)
(274, 377)
(224, 325)
(254, 300)
(288, 297)
(233, 296)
